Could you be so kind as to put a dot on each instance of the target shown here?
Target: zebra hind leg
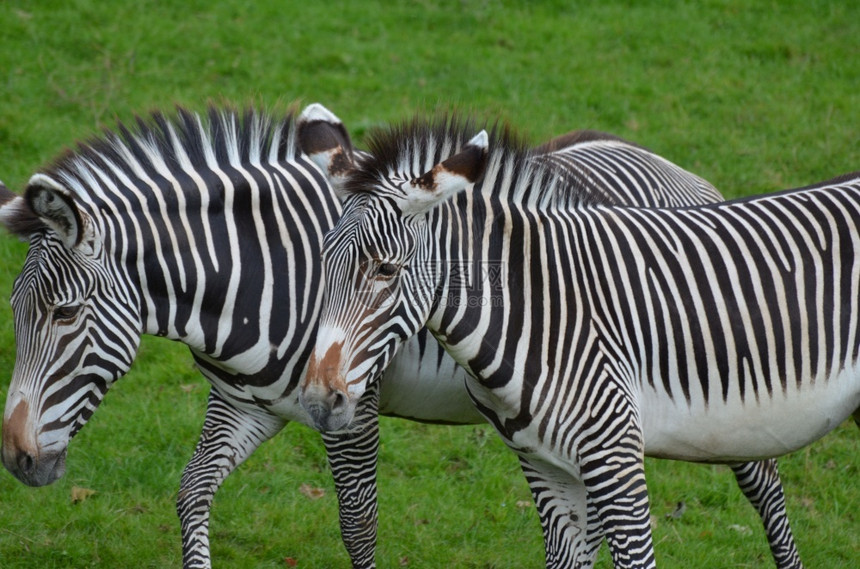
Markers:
(229, 436)
(352, 457)
(571, 536)
(614, 477)
(760, 483)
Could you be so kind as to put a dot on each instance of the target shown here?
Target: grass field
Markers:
(754, 96)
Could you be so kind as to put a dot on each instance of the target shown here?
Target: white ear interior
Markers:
(317, 112)
(449, 177)
(481, 140)
(54, 206)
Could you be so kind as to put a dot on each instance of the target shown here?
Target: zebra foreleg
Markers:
(561, 501)
(760, 483)
(352, 456)
(229, 436)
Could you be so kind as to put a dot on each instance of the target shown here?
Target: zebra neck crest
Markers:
(410, 150)
(162, 146)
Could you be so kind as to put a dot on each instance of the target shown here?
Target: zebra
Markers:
(707, 333)
(150, 229)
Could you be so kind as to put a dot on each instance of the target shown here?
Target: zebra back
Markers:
(624, 172)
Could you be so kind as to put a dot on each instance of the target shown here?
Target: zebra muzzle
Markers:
(328, 408)
(21, 454)
(33, 470)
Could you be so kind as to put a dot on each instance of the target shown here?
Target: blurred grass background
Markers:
(752, 95)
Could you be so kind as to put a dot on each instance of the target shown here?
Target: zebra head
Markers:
(76, 328)
(381, 277)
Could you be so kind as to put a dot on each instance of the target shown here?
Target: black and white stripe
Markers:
(716, 333)
(208, 230)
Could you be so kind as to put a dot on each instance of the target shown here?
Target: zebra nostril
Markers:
(339, 401)
(25, 462)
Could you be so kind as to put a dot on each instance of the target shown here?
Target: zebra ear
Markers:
(54, 206)
(325, 140)
(448, 177)
(7, 199)
(16, 216)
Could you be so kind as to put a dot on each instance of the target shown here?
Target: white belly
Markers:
(726, 432)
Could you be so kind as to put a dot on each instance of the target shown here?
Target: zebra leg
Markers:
(594, 537)
(352, 456)
(570, 539)
(760, 483)
(229, 436)
(614, 475)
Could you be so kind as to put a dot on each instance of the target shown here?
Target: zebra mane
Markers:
(411, 148)
(159, 145)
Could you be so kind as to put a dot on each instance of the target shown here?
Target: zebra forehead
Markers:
(50, 269)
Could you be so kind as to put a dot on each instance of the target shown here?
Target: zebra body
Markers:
(613, 332)
(208, 231)
(785, 352)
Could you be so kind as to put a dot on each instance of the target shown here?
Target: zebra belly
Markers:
(426, 386)
(735, 431)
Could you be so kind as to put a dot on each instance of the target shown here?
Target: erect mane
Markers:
(409, 149)
(160, 145)
(179, 141)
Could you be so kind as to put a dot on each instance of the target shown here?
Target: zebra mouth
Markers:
(36, 471)
(330, 413)
(326, 420)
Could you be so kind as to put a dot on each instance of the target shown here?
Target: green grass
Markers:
(754, 96)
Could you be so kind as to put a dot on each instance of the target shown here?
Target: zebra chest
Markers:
(272, 388)
(525, 432)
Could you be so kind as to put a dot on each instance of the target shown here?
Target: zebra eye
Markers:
(387, 270)
(66, 312)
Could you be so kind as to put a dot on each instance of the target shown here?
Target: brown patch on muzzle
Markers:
(325, 371)
(324, 394)
(17, 438)
(15, 429)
